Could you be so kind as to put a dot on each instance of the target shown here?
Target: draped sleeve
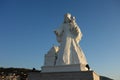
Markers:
(76, 31)
(79, 36)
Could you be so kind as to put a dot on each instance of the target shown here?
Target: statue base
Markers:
(64, 68)
(77, 75)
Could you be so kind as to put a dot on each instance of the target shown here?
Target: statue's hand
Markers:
(56, 33)
(74, 31)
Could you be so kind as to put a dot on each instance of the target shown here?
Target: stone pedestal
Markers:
(77, 75)
(64, 68)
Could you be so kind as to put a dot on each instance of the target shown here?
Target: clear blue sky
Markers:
(26, 32)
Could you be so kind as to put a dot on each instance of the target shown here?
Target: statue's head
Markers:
(67, 17)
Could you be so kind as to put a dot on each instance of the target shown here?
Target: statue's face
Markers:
(67, 17)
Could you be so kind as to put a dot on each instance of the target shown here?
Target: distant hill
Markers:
(17, 70)
(105, 78)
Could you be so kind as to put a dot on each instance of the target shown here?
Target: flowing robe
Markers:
(69, 35)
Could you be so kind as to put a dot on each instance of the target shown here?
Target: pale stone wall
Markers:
(78, 75)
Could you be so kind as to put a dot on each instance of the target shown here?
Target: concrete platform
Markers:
(64, 68)
(78, 75)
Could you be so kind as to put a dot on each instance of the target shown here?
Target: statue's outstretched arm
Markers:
(58, 32)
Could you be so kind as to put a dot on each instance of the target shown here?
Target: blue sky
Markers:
(26, 32)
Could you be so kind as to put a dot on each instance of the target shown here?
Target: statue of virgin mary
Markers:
(69, 35)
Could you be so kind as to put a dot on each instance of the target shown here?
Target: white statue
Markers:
(69, 35)
(68, 56)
